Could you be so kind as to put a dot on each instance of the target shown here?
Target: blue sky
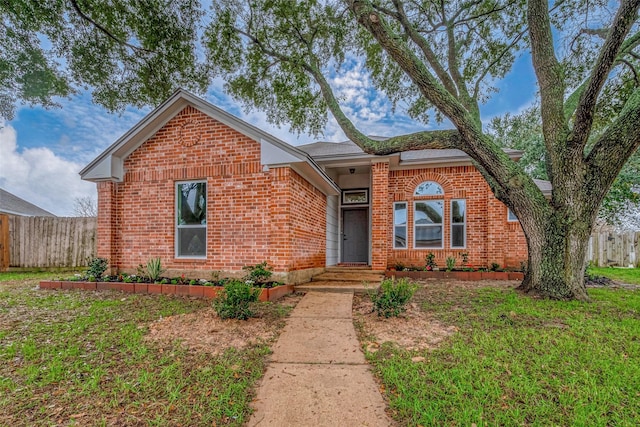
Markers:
(42, 151)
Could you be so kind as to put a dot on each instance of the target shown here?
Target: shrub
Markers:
(258, 273)
(235, 300)
(451, 262)
(152, 270)
(97, 267)
(392, 297)
(430, 261)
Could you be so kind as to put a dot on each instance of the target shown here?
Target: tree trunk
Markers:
(557, 259)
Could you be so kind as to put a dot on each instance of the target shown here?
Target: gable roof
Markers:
(109, 165)
(14, 205)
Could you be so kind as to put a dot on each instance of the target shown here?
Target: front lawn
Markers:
(80, 358)
(623, 275)
(516, 360)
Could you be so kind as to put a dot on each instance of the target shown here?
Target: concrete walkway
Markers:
(318, 375)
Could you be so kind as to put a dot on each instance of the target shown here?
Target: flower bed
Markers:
(198, 291)
(458, 275)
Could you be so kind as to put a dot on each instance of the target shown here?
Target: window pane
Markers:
(511, 216)
(400, 237)
(429, 188)
(457, 236)
(458, 209)
(429, 237)
(192, 203)
(192, 241)
(400, 214)
(428, 212)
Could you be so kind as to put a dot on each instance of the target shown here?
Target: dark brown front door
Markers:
(355, 235)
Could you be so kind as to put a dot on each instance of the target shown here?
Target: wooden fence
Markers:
(611, 249)
(46, 242)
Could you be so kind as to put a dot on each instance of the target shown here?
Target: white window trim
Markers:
(406, 225)
(439, 191)
(509, 218)
(464, 224)
(177, 226)
(430, 225)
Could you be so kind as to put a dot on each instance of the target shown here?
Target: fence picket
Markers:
(51, 242)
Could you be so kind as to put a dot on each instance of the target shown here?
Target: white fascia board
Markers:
(272, 155)
(107, 168)
(322, 183)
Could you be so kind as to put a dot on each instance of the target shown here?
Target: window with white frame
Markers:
(511, 217)
(427, 221)
(429, 188)
(191, 219)
(458, 224)
(400, 225)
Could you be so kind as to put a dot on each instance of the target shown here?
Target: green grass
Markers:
(79, 358)
(518, 360)
(623, 275)
(29, 275)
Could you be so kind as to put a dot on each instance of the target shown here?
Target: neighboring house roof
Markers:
(14, 205)
(109, 166)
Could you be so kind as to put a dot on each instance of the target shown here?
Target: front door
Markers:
(355, 235)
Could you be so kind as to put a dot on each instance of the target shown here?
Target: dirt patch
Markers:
(205, 331)
(413, 330)
(416, 329)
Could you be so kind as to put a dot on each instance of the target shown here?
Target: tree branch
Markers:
(423, 45)
(619, 141)
(623, 21)
(549, 73)
(106, 32)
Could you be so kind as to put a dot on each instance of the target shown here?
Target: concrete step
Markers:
(351, 276)
(336, 286)
(348, 268)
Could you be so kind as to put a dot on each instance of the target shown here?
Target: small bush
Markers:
(235, 300)
(152, 270)
(97, 267)
(430, 261)
(392, 297)
(451, 262)
(258, 273)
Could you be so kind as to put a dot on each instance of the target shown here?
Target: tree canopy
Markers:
(434, 60)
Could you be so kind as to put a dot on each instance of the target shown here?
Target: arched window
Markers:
(429, 188)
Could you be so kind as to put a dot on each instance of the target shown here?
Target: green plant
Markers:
(399, 266)
(431, 261)
(97, 267)
(392, 297)
(258, 273)
(235, 300)
(494, 266)
(451, 262)
(153, 269)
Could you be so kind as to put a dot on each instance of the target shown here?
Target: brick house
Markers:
(206, 191)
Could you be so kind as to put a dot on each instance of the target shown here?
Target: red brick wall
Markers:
(380, 219)
(249, 219)
(308, 209)
(490, 238)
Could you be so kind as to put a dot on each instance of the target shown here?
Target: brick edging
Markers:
(197, 291)
(458, 275)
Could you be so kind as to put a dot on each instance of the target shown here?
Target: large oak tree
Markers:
(432, 57)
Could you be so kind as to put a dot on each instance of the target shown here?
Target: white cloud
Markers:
(39, 176)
